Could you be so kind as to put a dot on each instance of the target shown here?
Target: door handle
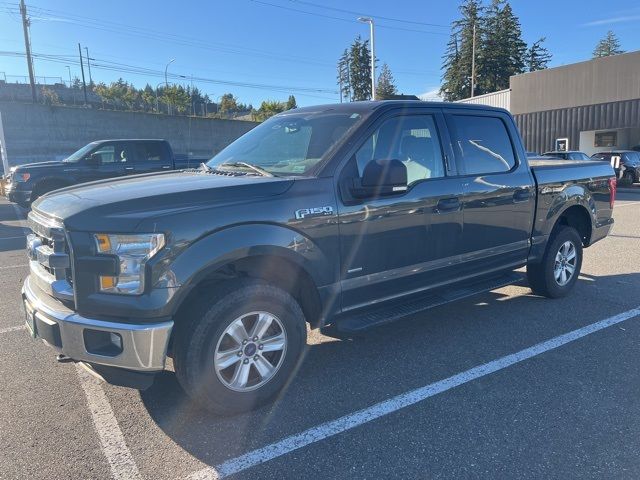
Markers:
(446, 205)
(521, 195)
(128, 168)
(166, 167)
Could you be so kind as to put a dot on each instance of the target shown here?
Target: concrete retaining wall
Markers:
(35, 133)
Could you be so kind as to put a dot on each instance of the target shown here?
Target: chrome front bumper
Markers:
(143, 346)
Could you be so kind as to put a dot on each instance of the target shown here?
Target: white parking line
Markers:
(114, 447)
(4, 267)
(329, 429)
(12, 329)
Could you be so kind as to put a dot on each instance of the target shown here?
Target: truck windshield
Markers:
(290, 143)
(80, 154)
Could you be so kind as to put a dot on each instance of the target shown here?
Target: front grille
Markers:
(49, 260)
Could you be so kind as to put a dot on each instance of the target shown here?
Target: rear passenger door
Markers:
(499, 189)
(151, 157)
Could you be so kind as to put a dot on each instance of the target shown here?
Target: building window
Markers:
(606, 139)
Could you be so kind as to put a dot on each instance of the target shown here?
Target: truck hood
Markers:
(120, 205)
(38, 165)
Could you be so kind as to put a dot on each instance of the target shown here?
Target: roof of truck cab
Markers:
(369, 106)
(130, 140)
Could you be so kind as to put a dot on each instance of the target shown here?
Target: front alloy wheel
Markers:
(236, 349)
(250, 351)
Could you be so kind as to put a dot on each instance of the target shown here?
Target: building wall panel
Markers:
(539, 130)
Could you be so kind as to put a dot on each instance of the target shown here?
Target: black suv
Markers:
(628, 158)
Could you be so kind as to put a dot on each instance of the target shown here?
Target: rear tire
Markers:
(557, 273)
(627, 179)
(211, 334)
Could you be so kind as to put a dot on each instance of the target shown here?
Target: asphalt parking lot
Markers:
(438, 395)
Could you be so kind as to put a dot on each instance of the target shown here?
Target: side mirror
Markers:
(381, 177)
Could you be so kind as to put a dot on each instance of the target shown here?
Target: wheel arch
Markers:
(577, 217)
(284, 258)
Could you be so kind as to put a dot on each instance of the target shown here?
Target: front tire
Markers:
(557, 273)
(236, 351)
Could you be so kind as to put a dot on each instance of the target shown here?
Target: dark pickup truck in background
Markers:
(96, 161)
(342, 216)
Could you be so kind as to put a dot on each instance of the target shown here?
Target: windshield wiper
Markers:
(255, 168)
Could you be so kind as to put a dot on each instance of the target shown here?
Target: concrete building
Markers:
(589, 106)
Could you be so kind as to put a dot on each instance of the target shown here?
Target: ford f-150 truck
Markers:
(341, 217)
(95, 161)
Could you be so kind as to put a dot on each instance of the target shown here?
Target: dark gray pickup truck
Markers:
(341, 217)
(95, 161)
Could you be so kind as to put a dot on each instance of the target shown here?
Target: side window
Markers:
(151, 152)
(412, 139)
(107, 154)
(483, 144)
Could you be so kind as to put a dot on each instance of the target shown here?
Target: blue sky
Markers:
(280, 46)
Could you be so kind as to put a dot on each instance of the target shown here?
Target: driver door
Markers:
(399, 244)
(110, 159)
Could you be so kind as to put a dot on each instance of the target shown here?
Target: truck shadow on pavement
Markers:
(339, 377)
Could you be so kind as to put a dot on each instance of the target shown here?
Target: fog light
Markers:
(98, 342)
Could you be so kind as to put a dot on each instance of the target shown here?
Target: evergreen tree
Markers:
(609, 45)
(502, 53)
(354, 71)
(456, 82)
(385, 87)
(148, 98)
(344, 82)
(291, 103)
(537, 57)
(360, 70)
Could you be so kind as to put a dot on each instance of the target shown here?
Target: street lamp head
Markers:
(365, 19)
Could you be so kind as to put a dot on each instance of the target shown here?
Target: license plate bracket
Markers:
(30, 320)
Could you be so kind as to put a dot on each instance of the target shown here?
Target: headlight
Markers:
(133, 251)
(21, 177)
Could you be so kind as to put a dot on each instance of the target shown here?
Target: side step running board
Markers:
(398, 309)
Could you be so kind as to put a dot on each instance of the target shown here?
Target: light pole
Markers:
(166, 83)
(369, 20)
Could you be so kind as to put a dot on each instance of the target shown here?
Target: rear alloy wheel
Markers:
(557, 273)
(565, 263)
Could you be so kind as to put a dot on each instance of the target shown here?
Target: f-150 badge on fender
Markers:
(313, 212)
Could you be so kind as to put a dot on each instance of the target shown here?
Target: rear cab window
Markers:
(151, 152)
(482, 144)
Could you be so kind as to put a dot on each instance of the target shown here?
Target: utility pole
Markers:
(71, 86)
(473, 61)
(84, 84)
(27, 46)
(369, 20)
(89, 65)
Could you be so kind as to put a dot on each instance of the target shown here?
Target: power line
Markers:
(315, 14)
(361, 14)
(142, 32)
(125, 68)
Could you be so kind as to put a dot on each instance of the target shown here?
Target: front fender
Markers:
(210, 253)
